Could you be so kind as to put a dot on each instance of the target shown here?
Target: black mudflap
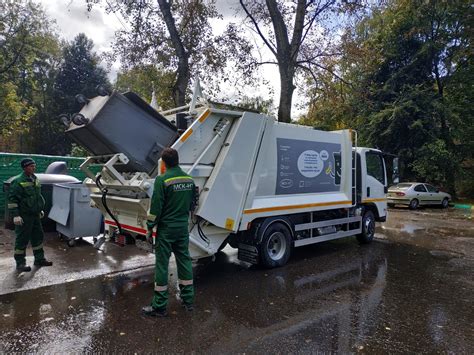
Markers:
(248, 253)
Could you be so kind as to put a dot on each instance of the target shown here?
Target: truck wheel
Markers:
(414, 204)
(445, 203)
(368, 228)
(275, 247)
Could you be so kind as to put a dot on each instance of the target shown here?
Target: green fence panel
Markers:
(10, 166)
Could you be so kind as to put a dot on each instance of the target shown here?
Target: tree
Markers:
(173, 36)
(23, 25)
(46, 133)
(144, 79)
(288, 31)
(408, 65)
(79, 73)
(257, 103)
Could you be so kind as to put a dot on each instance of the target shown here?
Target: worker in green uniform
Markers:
(26, 204)
(171, 203)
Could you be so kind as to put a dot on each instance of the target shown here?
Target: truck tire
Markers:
(368, 228)
(275, 248)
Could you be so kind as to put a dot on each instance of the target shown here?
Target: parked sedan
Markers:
(415, 194)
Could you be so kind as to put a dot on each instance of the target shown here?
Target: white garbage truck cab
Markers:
(263, 186)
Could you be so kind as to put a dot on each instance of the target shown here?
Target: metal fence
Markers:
(10, 166)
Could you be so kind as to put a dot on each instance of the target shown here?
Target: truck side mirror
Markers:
(395, 172)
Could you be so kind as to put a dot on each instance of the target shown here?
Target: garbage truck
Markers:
(262, 186)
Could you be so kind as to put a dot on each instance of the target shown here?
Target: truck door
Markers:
(376, 179)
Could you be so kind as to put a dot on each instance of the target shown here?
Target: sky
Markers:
(72, 18)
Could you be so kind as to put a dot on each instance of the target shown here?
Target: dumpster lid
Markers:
(60, 209)
(49, 178)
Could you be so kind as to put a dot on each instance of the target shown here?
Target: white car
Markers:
(416, 194)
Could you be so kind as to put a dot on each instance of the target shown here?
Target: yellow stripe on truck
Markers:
(293, 207)
(374, 200)
(186, 135)
(204, 116)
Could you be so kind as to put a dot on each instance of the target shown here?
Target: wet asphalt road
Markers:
(409, 291)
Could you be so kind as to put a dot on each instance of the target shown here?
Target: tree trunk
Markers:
(286, 95)
(286, 53)
(183, 77)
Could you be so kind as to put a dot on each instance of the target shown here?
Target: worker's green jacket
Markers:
(24, 196)
(172, 199)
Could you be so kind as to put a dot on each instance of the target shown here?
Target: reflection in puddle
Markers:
(410, 228)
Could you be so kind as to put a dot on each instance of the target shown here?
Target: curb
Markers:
(464, 206)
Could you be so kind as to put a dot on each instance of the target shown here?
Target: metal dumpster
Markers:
(125, 124)
(74, 216)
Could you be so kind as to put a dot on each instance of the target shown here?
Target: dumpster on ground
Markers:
(74, 216)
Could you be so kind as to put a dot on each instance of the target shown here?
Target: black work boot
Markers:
(23, 268)
(154, 312)
(43, 262)
(188, 306)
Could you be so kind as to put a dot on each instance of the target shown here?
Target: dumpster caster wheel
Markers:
(60, 236)
(71, 243)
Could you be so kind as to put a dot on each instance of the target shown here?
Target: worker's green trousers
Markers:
(30, 231)
(174, 240)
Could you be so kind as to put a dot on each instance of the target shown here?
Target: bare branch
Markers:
(300, 65)
(272, 49)
(317, 12)
(298, 29)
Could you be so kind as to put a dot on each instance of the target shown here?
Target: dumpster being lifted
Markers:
(264, 186)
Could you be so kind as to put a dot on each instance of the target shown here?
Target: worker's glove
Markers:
(149, 236)
(18, 221)
(41, 214)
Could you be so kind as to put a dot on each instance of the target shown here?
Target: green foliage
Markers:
(432, 161)
(14, 113)
(149, 43)
(144, 79)
(79, 73)
(409, 84)
(257, 103)
(23, 29)
(78, 151)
